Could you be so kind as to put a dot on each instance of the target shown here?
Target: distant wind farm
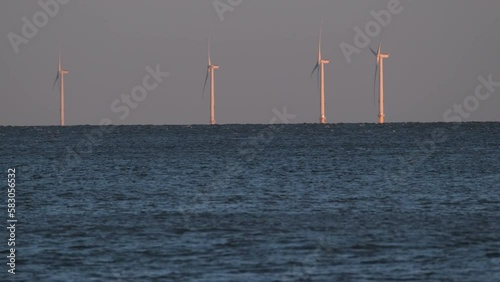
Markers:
(327, 62)
(319, 70)
(238, 140)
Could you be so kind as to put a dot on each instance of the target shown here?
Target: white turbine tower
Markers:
(60, 77)
(210, 72)
(379, 68)
(320, 66)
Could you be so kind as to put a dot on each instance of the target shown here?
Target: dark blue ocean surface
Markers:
(354, 202)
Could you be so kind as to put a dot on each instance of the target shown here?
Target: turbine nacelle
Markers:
(325, 62)
(382, 56)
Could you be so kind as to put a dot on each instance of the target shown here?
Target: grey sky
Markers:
(266, 50)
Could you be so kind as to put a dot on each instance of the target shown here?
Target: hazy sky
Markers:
(266, 50)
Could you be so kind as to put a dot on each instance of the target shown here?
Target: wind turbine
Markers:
(320, 66)
(380, 69)
(210, 72)
(60, 77)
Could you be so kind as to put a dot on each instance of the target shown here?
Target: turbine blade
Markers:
(320, 40)
(376, 53)
(316, 68)
(60, 56)
(209, 52)
(59, 67)
(380, 41)
(55, 82)
(205, 85)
